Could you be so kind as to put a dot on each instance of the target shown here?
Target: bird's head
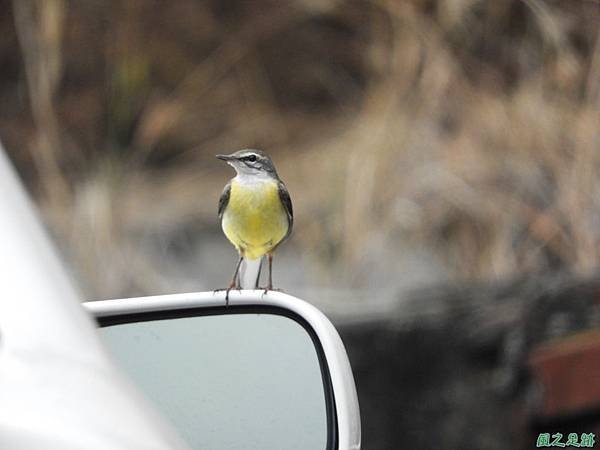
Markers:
(250, 163)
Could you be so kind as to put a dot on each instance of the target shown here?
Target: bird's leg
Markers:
(258, 276)
(235, 282)
(270, 285)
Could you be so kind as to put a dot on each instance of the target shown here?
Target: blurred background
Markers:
(442, 157)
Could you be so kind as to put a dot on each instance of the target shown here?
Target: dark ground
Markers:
(449, 369)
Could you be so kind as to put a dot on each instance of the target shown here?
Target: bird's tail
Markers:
(250, 273)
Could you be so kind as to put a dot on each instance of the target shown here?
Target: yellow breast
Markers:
(254, 219)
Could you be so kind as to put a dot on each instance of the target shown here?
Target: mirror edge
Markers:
(340, 389)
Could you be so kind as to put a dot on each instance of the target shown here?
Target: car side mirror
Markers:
(266, 372)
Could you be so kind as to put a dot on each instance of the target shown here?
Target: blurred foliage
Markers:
(464, 127)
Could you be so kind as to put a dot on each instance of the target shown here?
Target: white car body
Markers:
(58, 387)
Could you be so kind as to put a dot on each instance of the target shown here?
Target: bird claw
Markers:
(267, 289)
(227, 290)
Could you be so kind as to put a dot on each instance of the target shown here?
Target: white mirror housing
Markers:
(346, 432)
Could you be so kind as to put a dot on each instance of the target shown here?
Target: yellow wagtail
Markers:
(255, 210)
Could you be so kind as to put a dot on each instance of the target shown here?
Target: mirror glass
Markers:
(233, 381)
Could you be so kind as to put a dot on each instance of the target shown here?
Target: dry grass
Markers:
(464, 127)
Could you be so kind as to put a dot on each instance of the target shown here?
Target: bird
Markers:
(255, 210)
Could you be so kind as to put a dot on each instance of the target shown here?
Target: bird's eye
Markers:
(251, 158)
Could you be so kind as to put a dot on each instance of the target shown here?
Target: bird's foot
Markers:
(270, 288)
(227, 290)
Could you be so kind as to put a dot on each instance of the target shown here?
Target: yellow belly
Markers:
(254, 220)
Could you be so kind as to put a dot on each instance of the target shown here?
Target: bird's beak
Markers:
(225, 157)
